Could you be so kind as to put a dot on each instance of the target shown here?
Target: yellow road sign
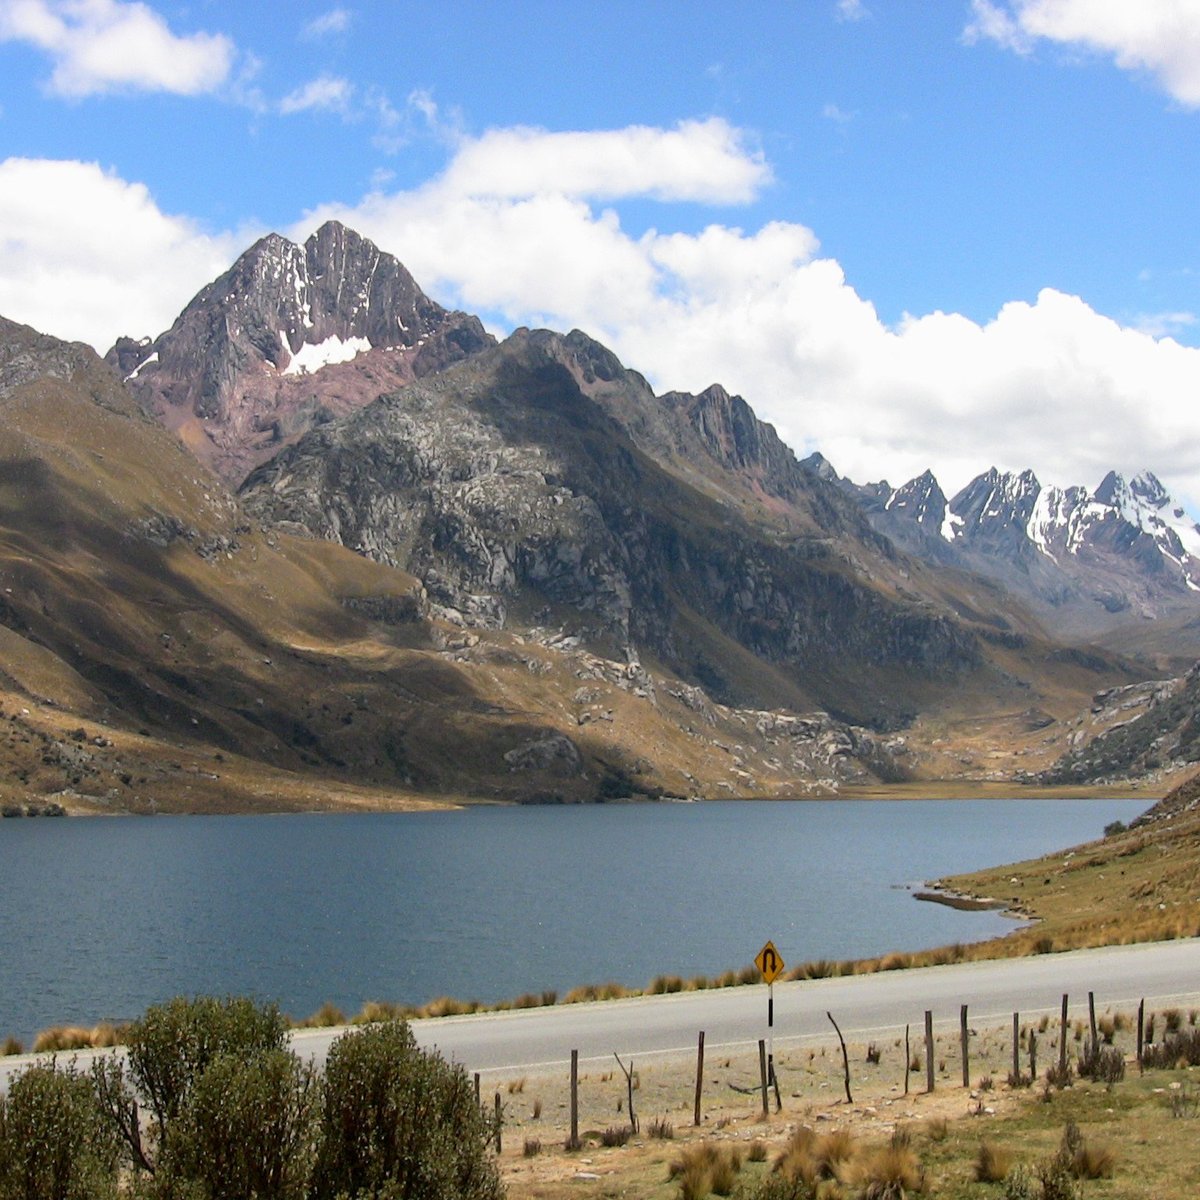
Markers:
(770, 962)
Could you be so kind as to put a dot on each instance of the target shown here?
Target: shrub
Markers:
(173, 1044)
(1176, 1048)
(661, 1128)
(54, 1141)
(873, 1054)
(246, 1132)
(615, 1135)
(1060, 1076)
(1114, 827)
(1105, 1064)
(397, 1121)
(532, 1148)
(992, 1163)
(1093, 1162)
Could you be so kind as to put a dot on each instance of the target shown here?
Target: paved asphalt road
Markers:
(1164, 974)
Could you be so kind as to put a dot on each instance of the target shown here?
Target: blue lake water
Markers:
(100, 918)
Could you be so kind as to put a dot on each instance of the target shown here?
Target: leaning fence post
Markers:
(699, 1075)
(762, 1070)
(964, 1037)
(928, 1050)
(1062, 1041)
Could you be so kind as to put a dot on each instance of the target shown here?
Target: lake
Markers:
(104, 917)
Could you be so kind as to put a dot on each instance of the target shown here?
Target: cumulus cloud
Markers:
(1158, 37)
(1047, 383)
(697, 160)
(88, 256)
(102, 46)
(326, 93)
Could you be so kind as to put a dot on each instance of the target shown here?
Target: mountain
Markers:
(161, 650)
(290, 337)
(539, 484)
(1091, 564)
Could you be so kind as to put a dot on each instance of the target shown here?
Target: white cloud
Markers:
(1050, 384)
(851, 10)
(336, 20)
(1158, 37)
(102, 46)
(326, 93)
(706, 161)
(88, 256)
(1047, 383)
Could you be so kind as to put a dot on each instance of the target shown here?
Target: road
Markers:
(1164, 974)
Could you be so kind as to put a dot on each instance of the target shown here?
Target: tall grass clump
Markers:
(992, 1163)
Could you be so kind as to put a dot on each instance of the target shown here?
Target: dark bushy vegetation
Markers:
(235, 1115)
(399, 1122)
(55, 1143)
(1182, 1047)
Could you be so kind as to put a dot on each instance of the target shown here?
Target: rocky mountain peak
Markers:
(235, 374)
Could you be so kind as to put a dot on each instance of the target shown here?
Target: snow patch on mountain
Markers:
(312, 357)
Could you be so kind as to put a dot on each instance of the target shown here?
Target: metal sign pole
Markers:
(771, 1031)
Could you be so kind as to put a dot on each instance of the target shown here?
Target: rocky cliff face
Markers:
(289, 337)
(515, 487)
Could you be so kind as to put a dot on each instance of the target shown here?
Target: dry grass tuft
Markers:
(888, 1173)
(378, 1010)
(325, 1017)
(516, 1086)
(533, 1147)
(107, 1034)
(705, 1168)
(11, 1046)
(62, 1037)
(936, 1129)
(992, 1163)
(1093, 1161)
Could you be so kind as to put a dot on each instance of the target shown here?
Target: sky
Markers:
(950, 234)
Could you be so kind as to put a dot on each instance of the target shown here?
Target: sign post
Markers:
(770, 965)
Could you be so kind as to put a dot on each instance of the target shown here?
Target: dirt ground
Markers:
(536, 1107)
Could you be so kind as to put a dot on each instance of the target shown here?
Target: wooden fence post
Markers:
(964, 1037)
(762, 1070)
(499, 1122)
(928, 1050)
(1062, 1040)
(699, 1075)
(1092, 1023)
(1032, 1055)
(907, 1060)
(1141, 1031)
(1016, 1048)
(845, 1057)
(476, 1089)
(573, 1144)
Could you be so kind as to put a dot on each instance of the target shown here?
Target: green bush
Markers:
(247, 1130)
(54, 1141)
(169, 1051)
(399, 1122)
(173, 1044)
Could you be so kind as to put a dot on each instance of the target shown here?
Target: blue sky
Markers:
(948, 234)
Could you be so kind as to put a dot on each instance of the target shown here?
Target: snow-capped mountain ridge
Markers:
(1089, 560)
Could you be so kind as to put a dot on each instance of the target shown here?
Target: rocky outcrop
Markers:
(288, 338)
